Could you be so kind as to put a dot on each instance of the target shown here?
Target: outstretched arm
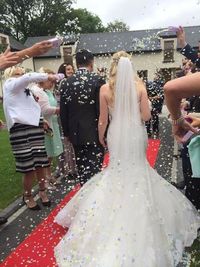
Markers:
(8, 59)
(35, 50)
(103, 117)
(175, 90)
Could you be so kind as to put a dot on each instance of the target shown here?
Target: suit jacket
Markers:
(155, 88)
(191, 54)
(79, 107)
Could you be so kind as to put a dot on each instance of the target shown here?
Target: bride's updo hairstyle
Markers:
(113, 71)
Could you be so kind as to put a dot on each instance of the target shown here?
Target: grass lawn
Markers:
(10, 181)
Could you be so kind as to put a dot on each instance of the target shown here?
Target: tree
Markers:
(86, 21)
(27, 18)
(117, 26)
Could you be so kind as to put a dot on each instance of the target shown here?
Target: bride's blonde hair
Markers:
(113, 72)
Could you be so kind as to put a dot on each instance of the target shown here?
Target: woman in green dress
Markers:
(53, 142)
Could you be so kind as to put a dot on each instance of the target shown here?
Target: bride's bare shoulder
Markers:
(105, 89)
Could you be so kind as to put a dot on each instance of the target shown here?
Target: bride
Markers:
(127, 215)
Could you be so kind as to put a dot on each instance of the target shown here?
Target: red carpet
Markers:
(37, 249)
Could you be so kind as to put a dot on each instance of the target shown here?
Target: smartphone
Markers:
(187, 136)
(56, 42)
(173, 28)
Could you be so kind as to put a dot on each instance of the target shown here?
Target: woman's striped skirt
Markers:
(27, 143)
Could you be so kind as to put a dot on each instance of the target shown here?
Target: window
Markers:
(168, 51)
(67, 54)
(3, 40)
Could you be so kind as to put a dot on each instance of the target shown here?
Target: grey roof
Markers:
(54, 52)
(110, 42)
(132, 41)
(192, 34)
(15, 45)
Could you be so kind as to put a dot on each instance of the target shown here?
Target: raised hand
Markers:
(8, 59)
(181, 129)
(195, 122)
(181, 36)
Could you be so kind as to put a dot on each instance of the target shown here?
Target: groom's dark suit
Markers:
(79, 112)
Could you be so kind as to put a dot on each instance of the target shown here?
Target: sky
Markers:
(145, 14)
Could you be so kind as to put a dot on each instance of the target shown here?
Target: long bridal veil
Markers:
(126, 135)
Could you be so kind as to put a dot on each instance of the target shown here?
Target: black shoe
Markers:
(3, 220)
(36, 207)
(149, 135)
(45, 203)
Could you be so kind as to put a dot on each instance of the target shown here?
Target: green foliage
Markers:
(117, 26)
(10, 182)
(87, 22)
(3, 48)
(27, 18)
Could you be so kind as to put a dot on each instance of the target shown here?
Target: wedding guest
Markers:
(79, 110)
(185, 87)
(26, 131)
(187, 50)
(66, 161)
(67, 69)
(8, 59)
(187, 105)
(175, 90)
(47, 111)
(156, 97)
(53, 143)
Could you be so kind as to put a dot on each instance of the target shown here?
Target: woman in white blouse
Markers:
(25, 126)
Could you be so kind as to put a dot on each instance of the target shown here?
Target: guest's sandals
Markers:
(43, 197)
(27, 199)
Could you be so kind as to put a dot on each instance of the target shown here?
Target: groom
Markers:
(79, 112)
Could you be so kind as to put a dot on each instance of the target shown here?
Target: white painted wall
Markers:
(147, 61)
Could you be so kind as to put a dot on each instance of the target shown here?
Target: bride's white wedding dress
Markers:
(127, 215)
